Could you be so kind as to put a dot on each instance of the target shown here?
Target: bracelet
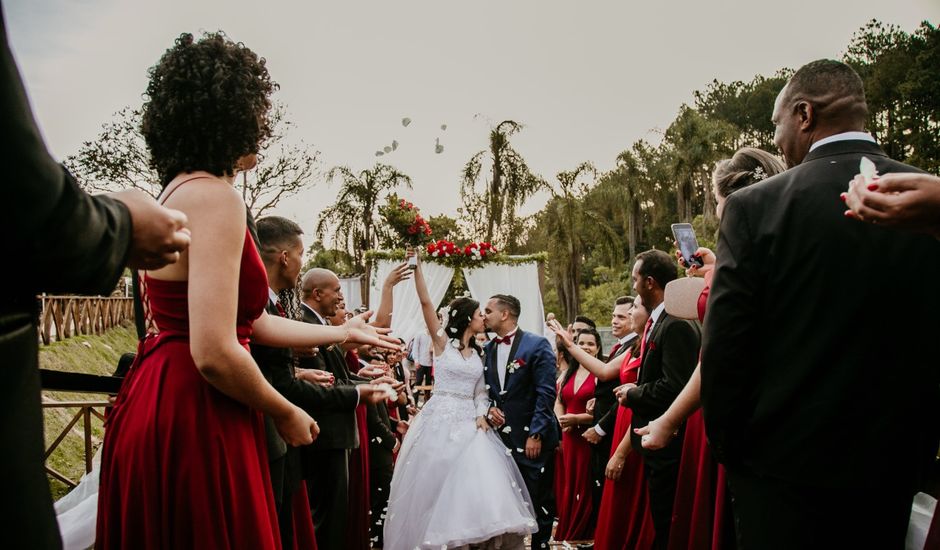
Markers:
(346, 338)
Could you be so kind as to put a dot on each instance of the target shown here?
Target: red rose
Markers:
(520, 362)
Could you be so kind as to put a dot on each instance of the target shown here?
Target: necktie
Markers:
(613, 350)
(280, 309)
(646, 329)
(505, 340)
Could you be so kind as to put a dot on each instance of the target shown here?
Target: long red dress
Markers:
(624, 521)
(359, 526)
(184, 465)
(701, 516)
(573, 486)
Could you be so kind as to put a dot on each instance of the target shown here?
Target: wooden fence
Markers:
(86, 410)
(66, 316)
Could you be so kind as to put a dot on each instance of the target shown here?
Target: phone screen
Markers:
(688, 244)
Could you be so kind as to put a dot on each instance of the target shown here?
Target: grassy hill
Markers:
(88, 354)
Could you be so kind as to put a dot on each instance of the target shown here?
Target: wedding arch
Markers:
(515, 275)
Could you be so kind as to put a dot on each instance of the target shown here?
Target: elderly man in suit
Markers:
(823, 406)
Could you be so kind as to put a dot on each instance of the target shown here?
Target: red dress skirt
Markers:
(573, 484)
(184, 465)
(624, 521)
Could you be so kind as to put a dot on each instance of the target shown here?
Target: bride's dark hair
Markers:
(461, 313)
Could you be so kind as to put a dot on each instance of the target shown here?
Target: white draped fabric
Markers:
(352, 292)
(521, 281)
(407, 320)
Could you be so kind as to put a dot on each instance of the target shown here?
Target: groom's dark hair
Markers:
(510, 303)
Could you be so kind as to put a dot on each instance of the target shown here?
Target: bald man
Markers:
(326, 462)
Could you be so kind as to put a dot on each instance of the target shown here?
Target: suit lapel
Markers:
(652, 339)
(516, 342)
(490, 374)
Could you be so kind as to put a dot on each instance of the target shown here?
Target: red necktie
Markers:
(613, 350)
(646, 329)
(280, 309)
(505, 340)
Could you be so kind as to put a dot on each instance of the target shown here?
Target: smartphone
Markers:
(688, 244)
(412, 262)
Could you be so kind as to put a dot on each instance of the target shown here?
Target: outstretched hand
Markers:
(907, 201)
(361, 332)
(561, 332)
(399, 273)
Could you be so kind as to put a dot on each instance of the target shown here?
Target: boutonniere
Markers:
(518, 363)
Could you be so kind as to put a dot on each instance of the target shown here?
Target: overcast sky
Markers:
(586, 78)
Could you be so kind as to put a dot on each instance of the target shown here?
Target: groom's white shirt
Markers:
(502, 358)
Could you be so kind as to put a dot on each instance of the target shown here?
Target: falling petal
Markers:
(387, 149)
(443, 126)
(394, 145)
(867, 169)
(379, 153)
(405, 122)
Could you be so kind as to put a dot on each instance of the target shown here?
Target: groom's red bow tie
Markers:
(505, 339)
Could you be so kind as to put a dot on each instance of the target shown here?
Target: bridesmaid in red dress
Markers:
(623, 521)
(184, 460)
(702, 516)
(573, 485)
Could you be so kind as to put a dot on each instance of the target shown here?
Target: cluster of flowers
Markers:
(473, 251)
(420, 225)
(478, 251)
(443, 249)
(405, 219)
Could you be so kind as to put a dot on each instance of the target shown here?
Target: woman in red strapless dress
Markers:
(573, 493)
(184, 462)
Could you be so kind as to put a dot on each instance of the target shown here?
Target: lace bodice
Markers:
(460, 378)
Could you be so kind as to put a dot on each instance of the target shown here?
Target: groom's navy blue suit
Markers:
(527, 400)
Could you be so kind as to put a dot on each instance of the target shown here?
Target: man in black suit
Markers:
(670, 350)
(282, 251)
(605, 402)
(62, 240)
(326, 461)
(826, 417)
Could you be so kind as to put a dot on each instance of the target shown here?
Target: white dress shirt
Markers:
(502, 357)
(320, 317)
(421, 350)
(844, 136)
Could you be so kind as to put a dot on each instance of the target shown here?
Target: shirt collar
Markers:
(511, 334)
(657, 313)
(626, 338)
(844, 136)
(272, 295)
(320, 317)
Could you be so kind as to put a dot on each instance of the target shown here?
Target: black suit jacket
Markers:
(820, 362)
(277, 366)
(605, 403)
(381, 437)
(338, 429)
(672, 351)
(62, 240)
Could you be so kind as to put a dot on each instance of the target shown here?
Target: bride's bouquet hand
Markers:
(482, 424)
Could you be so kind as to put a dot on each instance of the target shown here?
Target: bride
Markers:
(455, 483)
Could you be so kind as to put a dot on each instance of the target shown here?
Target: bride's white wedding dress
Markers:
(455, 485)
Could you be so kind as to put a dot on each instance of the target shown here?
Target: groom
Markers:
(520, 377)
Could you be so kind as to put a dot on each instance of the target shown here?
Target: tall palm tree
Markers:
(569, 222)
(510, 184)
(353, 219)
